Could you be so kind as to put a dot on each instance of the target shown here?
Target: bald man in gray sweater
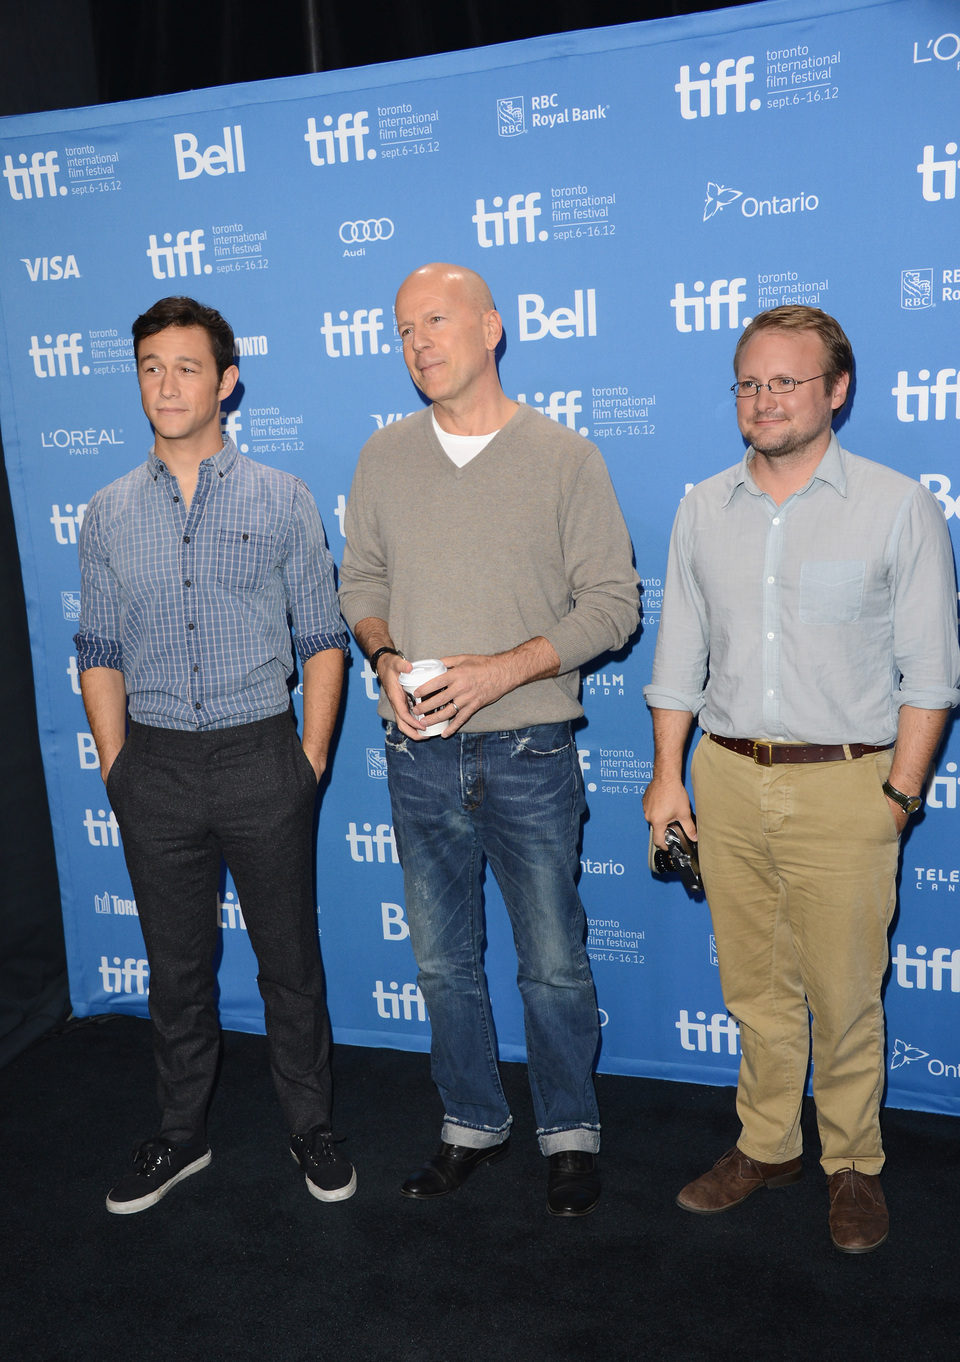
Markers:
(486, 535)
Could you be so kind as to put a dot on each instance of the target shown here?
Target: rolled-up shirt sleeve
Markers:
(97, 639)
(925, 608)
(309, 582)
(682, 652)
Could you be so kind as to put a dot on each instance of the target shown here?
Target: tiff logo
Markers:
(36, 180)
(694, 1035)
(724, 293)
(947, 385)
(397, 1002)
(942, 790)
(732, 74)
(367, 846)
(229, 915)
(102, 831)
(66, 523)
(942, 962)
(347, 337)
(50, 359)
(333, 144)
(231, 425)
(506, 221)
(558, 406)
(945, 172)
(215, 160)
(171, 260)
(129, 977)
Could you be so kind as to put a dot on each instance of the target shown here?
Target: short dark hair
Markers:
(187, 312)
(838, 352)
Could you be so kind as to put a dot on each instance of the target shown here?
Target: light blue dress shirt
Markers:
(195, 606)
(813, 621)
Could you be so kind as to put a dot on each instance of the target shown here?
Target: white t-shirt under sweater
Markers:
(526, 539)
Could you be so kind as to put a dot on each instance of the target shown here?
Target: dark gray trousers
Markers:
(246, 795)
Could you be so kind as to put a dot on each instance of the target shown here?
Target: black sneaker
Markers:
(328, 1176)
(158, 1165)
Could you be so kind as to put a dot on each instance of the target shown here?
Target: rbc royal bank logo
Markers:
(510, 116)
(217, 159)
(178, 256)
(916, 289)
(331, 144)
(710, 95)
(697, 311)
(505, 222)
(938, 178)
(33, 179)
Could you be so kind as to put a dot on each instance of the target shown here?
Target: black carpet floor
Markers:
(239, 1262)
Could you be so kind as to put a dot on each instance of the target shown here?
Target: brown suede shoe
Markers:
(859, 1220)
(732, 1179)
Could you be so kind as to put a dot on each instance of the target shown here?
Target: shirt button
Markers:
(191, 625)
(770, 581)
(770, 636)
(189, 583)
(197, 705)
(244, 537)
(775, 520)
(186, 539)
(196, 667)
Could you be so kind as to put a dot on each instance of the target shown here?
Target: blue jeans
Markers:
(514, 799)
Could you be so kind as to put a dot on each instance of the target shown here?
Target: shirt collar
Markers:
(222, 461)
(832, 469)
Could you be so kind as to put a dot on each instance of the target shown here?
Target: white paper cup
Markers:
(424, 670)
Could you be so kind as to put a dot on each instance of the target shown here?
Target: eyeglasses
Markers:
(750, 388)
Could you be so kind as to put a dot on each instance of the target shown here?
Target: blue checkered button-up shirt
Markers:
(195, 606)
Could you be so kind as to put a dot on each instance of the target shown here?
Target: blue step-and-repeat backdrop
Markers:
(634, 195)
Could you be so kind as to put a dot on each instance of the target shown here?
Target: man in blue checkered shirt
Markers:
(194, 566)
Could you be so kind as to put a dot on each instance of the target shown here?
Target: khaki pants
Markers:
(799, 866)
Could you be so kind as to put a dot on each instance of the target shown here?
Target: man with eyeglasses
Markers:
(810, 623)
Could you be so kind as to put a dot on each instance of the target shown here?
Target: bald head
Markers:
(451, 280)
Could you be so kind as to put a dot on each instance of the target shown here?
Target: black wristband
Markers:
(375, 657)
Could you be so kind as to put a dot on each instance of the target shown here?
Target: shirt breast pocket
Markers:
(243, 559)
(831, 593)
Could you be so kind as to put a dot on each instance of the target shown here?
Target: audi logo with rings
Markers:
(373, 229)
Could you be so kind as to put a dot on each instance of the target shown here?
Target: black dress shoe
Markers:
(573, 1182)
(449, 1169)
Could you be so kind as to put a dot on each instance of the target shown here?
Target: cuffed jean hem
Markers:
(474, 1137)
(585, 1138)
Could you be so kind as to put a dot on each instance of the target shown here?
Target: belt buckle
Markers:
(758, 758)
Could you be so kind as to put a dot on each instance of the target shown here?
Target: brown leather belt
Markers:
(773, 754)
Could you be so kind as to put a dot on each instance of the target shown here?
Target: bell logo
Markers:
(691, 312)
(215, 160)
(696, 96)
(36, 179)
(564, 322)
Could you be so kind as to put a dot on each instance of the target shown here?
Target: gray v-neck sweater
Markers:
(527, 539)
